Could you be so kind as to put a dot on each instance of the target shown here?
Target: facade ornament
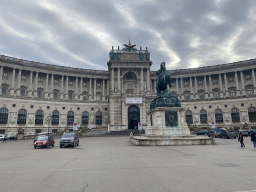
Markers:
(13, 118)
(129, 47)
(147, 56)
(141, 56)
(118, 56)
(92, 119)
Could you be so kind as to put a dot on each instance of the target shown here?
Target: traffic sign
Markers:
(139, 126)
(75, 127)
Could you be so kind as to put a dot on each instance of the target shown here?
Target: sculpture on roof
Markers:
(129, 47)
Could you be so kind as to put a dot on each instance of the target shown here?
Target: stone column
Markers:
(66, 91)
(237, 86)
(81, 89)
(118, 81)
(30, 84)
(191, 88)
(242, 81)
(141, 80)
(205, 87)
(226, 85)
(148, 80)
(177, 86)
(1, 77)
(94, 91)
(76, 89)
(13, 81)
(90, 89)
(36, 82)
(112, 79)
(46, 86)
(210, 82)
(154, 84)
(196, 93)
(62, 87)
(181, 88)
(253, 78)
(107, 88)
(103, 90)
(18, 81)
(51, 92)
(221, 89)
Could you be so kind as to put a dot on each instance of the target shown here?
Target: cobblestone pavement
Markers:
(113, 164)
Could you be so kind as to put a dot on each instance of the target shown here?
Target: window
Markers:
(23, 77)
(231, 79)
(249, 91)
(232, 92)
(215, 80)
(70, 82)
(252, 114)
(247, 76)
(200, 82)
(3, 116)
(39, 117)
(218, 116)
(22, 117)
(98, 98)
(55, 95)
(85, 84)
(98, 84)
(98, 118)
(40, 79)
(216, 94)
(5, 74)
(85, 118)
(201, 95)
(235, 115)
(55, 117)
(203, 116)
(189, 117)
(56, 81)
(22, 92)
(84, 97)
(187, 96)
(185, 83)
(4, 90)
(70, 95)
(129, 76)
(70, 118)
(39, 94)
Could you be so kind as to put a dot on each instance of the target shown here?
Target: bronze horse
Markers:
(163, 79)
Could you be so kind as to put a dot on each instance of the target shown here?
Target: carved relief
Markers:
(92, 119)
(13, 118)
(31, 119)
(244, 116)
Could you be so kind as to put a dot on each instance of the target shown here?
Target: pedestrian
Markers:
(241, 138)
(4, 140)
(253, 138)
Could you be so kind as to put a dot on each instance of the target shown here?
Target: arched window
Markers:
(85, 118)
(3, 116)
(252, 114)
(70, 118)
(189, 117)
(55, 117)
(39, 117)
(203, 116)
(22, 117)
(235, 115)
(98, 118)
(218, 116)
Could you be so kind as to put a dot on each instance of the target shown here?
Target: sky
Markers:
(80, 33)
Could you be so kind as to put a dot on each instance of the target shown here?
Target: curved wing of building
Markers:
(223, 95)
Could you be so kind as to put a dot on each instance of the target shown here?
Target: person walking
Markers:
(253, 138)
(4, 140)
(241, 138)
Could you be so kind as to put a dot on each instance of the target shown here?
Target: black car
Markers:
(228, 134)
(202, 132)
(13, 137)
(69, 139)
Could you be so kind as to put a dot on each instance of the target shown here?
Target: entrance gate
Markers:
(133, 117)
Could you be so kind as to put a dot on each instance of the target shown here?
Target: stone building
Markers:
(120, 97)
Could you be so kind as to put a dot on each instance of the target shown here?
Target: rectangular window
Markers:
(23, 77)
(186, 83)
(56, 81)
(55, 95)
(70, 82)
(40, 79)
(200, 82)
(216, 94)
(248, 76)
(5, 74)
(215, 80)
(98, 84)
(187, 97)
(39, 94)
(201, 95)
(70, 96)
(232, 93)
(84, 97)
(4, 90)
(98, 98)
(85, 84)
(22, 92)
(249, 91)
(231, 79)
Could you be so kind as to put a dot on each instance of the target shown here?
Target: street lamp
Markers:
(49, 120)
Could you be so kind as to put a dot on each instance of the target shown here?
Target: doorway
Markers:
(133, 117)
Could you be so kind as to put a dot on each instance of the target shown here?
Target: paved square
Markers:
(113, 164)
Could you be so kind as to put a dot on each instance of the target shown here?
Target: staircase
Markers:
(125, 132)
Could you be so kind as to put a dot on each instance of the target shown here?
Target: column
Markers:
(81, 89)
(148, 80)
(66, 91)
(62, 87)
(226, 85)
(191, 88)
(196, 93)
(221, 89)
(36, 82)
(205, 87)
(94, 91)
(154, 84)
(237, 86)
(76, 89)
(30, 84)
(112, 79)
(1, 76)
(242, 81)
(46, 86)
(118, 81)
(181, 88)
(210, 82)
(107, 87)
(18, 81)
(177, 86)
(13, 81)
(141, 79)
(51, 91)
(253, 78)
(90, 89)
(103, 90)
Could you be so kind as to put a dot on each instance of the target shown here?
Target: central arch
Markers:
(133, 117)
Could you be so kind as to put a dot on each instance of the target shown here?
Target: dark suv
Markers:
(69, 139)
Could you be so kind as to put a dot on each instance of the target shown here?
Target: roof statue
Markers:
(129, 47)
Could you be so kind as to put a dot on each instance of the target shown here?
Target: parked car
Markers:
(69, 139)
(43, 141)
(215, 133)
(202, 132)
(245, 133)
(2, 137)
(13, 137)
(228, 134)
(251, 130)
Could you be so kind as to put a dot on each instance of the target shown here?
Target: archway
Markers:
(133, 117)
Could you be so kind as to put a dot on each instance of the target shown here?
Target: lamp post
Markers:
(49, 120)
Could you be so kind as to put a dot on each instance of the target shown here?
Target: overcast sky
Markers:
(81, 33)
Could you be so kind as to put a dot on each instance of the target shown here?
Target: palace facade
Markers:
(34, 95)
